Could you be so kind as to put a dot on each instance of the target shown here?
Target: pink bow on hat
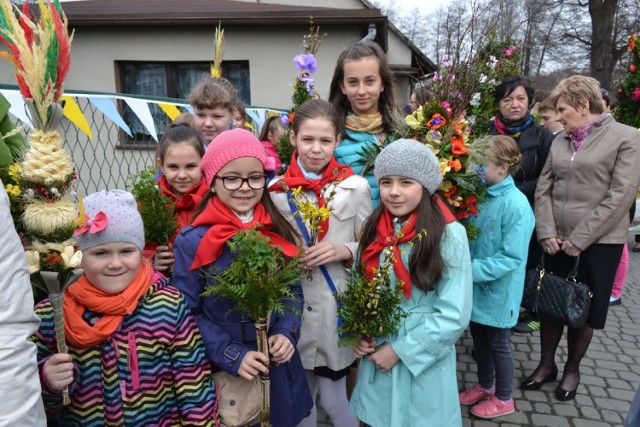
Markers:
(93, 225)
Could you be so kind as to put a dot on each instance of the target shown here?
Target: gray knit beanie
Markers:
(110, 216)
(410, 158)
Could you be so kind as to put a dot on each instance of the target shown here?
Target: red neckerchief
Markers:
(188, 202)
(385, 237)
(225, 224)
(294, 178)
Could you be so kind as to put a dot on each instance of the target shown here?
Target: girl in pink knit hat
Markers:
(234, 167)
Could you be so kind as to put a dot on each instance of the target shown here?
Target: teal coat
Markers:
(499, 255)
(348, 153)
(421, 389)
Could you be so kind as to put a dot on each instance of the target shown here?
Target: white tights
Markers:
(333, 399)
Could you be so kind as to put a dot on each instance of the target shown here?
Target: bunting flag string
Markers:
(170, 110)
(107, 105)
(108, 108)
(71, 111)
(140, 108)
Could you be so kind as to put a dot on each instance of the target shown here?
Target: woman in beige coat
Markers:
(581, 204)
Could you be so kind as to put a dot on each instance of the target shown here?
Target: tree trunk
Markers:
(265, 381)
(602, 14)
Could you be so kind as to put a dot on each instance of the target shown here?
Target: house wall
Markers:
(270, 54)
(338, 4)
(399, 54)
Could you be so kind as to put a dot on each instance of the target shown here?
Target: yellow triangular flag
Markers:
(170, 109)
(74, 114)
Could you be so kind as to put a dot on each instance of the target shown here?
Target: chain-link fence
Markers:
(111, 156)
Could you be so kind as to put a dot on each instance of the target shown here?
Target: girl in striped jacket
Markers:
(135, 355)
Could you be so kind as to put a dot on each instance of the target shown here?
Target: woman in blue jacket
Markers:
(498, 259)
(234, 167)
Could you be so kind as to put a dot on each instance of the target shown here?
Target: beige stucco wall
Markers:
(339, 4)
(270, 54)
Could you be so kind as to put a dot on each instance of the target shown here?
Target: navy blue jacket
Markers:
(228, 336)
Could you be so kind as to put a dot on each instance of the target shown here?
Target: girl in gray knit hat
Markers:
(409, 378)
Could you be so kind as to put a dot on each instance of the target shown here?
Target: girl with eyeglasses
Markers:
(234, 167)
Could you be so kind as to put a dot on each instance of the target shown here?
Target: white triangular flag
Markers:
(141, 109)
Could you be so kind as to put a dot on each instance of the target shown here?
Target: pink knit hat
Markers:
(230, 145)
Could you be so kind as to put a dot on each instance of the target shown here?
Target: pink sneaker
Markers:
(474, 394)
(493, 407)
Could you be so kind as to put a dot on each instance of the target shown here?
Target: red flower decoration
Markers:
(457, 145)
(436, 122)
(635, 95)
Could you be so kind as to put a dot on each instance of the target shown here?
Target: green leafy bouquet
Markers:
(156, 209)
(370, 308)
(260, 282)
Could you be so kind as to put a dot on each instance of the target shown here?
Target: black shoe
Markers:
(566, 395)
(530, 384)
(615, 301)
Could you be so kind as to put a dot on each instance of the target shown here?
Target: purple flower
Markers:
(306, 62)
(285, 120)
(308, 80)
(493, 61)
(446, 62)
(435, 134)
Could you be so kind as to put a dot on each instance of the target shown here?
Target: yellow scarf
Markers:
(369, 123)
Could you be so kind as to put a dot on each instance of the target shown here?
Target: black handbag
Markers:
(560, 298)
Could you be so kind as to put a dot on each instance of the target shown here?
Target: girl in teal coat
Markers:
(409, 378)
(363, 91)
(499, 257)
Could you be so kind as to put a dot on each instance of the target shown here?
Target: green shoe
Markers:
(527, 327)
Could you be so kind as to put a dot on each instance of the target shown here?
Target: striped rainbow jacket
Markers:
(151, 372)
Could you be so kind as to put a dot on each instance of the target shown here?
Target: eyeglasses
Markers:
(231, 183)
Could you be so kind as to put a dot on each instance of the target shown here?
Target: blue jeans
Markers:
(633, 417)
(492, 349)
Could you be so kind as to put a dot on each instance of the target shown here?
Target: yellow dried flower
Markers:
(13, 190)
(14, 171)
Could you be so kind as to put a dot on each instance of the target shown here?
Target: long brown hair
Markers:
(281, 226)
(425, 262)
(387, 103)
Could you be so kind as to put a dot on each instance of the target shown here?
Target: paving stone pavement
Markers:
(609, 374)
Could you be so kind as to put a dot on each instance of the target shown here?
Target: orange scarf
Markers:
(83, 296)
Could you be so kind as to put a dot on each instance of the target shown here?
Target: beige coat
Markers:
(318, 344)
(20, 391)
(584, 196)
